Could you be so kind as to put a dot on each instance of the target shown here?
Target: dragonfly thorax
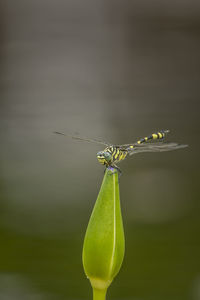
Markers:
(104, 157)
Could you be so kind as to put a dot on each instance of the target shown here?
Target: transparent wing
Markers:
(126, 146)
(83, 139)
(154, 147)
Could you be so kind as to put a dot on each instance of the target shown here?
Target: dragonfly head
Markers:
(104, 157)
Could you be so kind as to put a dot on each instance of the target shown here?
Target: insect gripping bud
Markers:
(103, 248)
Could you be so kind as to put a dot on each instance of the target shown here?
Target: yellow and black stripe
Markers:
(117, 153)
(154, 136)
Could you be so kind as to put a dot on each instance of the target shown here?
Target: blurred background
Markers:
(116, 71)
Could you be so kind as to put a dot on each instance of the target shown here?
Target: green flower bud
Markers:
(103, 248)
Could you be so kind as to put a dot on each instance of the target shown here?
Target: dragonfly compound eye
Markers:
(107, 156)
(104, 157)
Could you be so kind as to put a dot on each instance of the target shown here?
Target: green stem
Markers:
(99, 294)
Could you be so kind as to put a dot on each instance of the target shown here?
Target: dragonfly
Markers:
(113, 154)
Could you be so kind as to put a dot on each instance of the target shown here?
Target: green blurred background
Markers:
(114, 70)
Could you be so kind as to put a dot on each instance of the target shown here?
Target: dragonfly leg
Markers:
(112, 168)
(118, 169)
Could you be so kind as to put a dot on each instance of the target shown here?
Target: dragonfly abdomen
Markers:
(154, 136)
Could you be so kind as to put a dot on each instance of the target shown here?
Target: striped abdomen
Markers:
(154, 136)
